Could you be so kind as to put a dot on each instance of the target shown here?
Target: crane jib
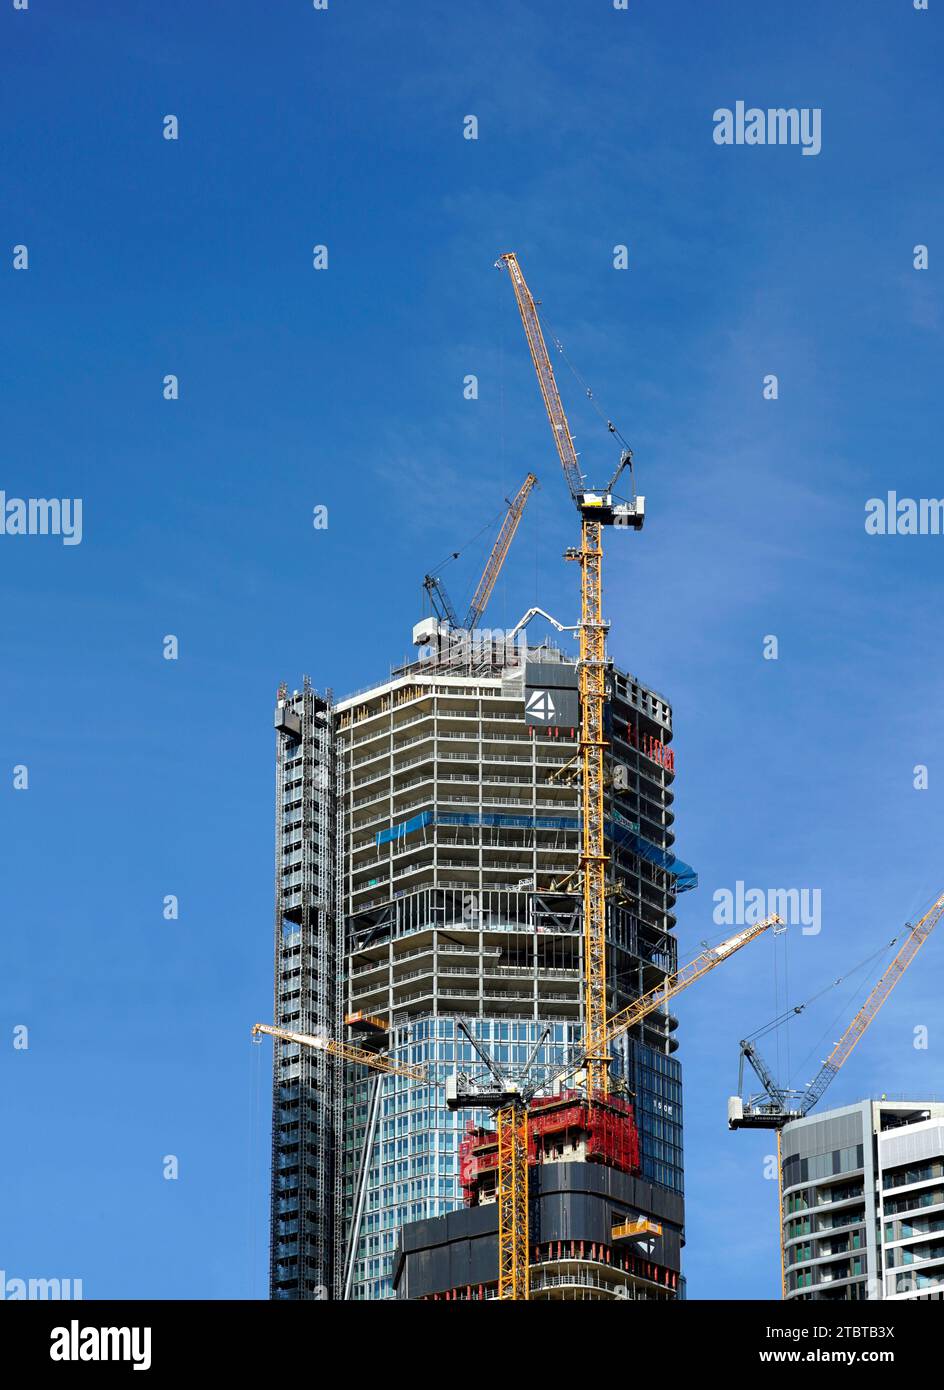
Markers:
(851, 1036)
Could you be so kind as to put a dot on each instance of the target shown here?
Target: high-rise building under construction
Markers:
(427, 847)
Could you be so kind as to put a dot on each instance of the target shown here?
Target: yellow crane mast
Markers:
(511, 1102)
(514, 1221)
(593, 849)
(512, 1105)
(597, 509)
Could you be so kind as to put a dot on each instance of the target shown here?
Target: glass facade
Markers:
(414, 1166)
(655, 1081)
(816, 1166)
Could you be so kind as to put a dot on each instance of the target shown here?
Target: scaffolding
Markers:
(306, 997)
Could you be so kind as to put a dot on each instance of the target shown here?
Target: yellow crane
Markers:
(348, 1052)
(778, 1105)
(434, 586)
(597, 508)
(512, 1103)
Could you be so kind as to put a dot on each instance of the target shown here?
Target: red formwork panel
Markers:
(608, 1127)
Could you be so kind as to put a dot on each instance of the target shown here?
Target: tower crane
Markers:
(511, 1102)
(509, 1099)
(504, 1097)
(776, 1106)
(597, 508)
(439, 599)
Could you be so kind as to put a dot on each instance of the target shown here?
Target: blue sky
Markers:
(344, 388)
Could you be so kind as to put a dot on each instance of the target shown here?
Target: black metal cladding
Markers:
(571, 1202)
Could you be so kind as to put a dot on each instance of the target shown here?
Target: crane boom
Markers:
(499, 551)
(889, 979)
(440, 601)
(378, 1061)
(545, 374)
(640, 1008)
(687, 975)
(777, 1105)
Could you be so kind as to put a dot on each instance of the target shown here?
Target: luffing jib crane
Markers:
(598, 508)
(508, 1102)
(439, 599)
(511, 1101)
(776, 1106)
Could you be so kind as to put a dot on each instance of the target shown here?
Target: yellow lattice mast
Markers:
(597, 509)
(593, 850)
(513, 1223)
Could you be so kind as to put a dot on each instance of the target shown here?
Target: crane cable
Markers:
(588, 390)
(799, 1008)
(454, 554)
(830, 1032)
(844, 1012)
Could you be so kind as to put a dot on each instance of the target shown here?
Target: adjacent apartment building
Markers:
(426, 844)
(863, 1202)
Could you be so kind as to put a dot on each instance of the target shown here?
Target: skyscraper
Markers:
(441, 818)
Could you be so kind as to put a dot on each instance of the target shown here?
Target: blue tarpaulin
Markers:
(620, 832)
